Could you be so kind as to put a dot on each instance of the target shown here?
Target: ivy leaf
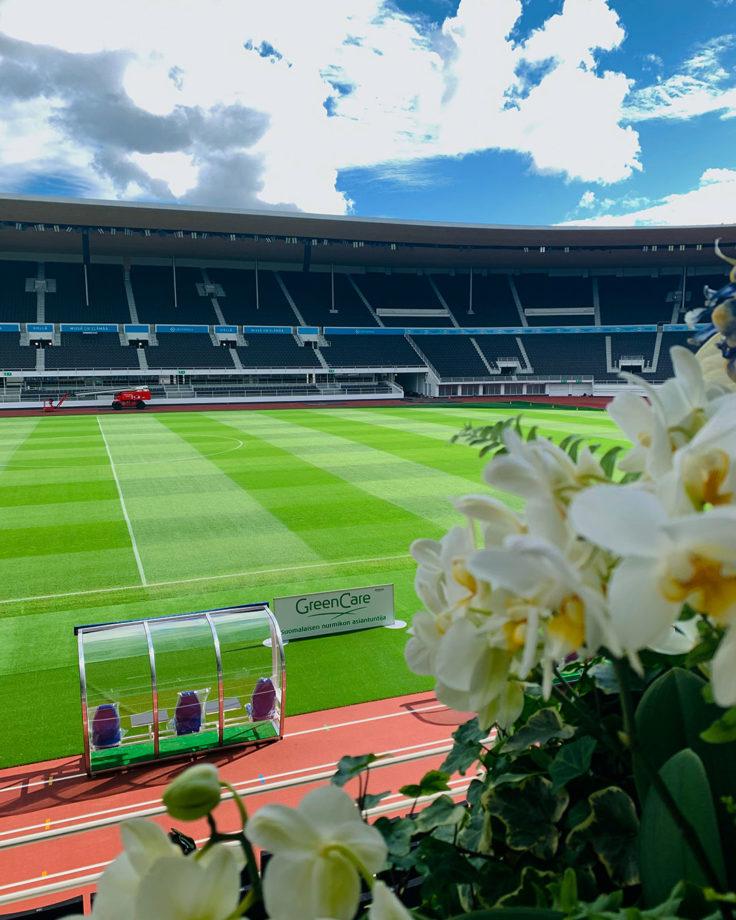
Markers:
(529, 813)
(542, 727)
(432, 782)
(572, 760)
(350, 767)
(612, 830)
(442, 811)
(532, 890)
(397, 832)
(466, 748)
(371, 799)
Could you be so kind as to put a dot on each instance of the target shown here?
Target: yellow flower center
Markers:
(568, 622)
(515, 635)
(704, 476)
(463, 577)
(644, 439)
(702, 583)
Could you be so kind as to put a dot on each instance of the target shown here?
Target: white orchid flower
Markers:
(442, 580)
(645, 429)
(145, 882)
(318, 852)
(385, 905)
(188, 889)
(550, 611)
(497, 520)
(666, 562)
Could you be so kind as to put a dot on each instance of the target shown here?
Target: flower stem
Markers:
(353, 860)
(238, 802)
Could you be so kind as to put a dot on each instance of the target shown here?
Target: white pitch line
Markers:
(138, 562)
(186, 581)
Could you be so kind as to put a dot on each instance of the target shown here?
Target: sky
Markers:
(536, 112)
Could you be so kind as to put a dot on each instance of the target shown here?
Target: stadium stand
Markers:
(17, 306)
(409, 293)
(312, 294)
(370, 351)
(14, 356)
(564, 355)
(452, 355)
(107, 299)
(277, 351)
(634, 346)
(493, 302)
(502, 348)
(635, 299)
(187, 350)
(91, 351)
(153, 289)
(239, 304)
(554, 291)
(664, 365)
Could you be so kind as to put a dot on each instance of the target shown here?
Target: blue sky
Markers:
(486, 111)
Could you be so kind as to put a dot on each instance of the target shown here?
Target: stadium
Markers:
(206, 410)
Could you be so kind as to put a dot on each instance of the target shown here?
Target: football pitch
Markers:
(141, 514)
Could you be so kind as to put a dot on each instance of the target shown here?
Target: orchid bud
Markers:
(194, 793)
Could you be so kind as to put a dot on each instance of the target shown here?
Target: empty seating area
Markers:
(401, 290)
(370, 351)
(500, 347)
(312, 294)
(452, 355)
(153, 290)
(91, 351)
(538, 289)
(633, 345)
(177, 351)
(567, 356)
(17, 306)
(108, 302)
(13, 355)
(277, 351)
(637, 299)
(664, 365)
(240, 304)
(493, 303)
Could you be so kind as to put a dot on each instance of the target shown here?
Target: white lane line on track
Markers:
(138, 562)
(457, 787)
(247, 787)
(307, 731)
(200, 578)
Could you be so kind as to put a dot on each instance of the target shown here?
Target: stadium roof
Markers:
(55, 225)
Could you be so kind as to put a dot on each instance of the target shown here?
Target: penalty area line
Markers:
(201, 578)
(138, 562)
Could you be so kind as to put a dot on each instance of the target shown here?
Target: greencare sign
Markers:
(303, 616)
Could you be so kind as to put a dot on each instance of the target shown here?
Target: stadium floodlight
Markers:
(654, 247)
(670, 248)
(393, 247)
(699, 247)
(543, 249)
(526, 249)
(178, 685)
(645, 249)
(682, 247)
(567, 249)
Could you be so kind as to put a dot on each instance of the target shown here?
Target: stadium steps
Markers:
(289, 298)
(376, 317)
(130, 296)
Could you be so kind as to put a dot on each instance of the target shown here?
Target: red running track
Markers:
(58, 826)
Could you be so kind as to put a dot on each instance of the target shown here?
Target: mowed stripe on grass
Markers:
(264, 503)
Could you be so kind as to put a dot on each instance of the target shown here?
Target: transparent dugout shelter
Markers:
(179, 685)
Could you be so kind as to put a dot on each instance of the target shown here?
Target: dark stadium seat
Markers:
(452, 355)
(153, 289)
(370, 351)
(239, 303)
(277, 351)
(567, 355)
(405, 290)
(311, 292)
(637, 299)
(13, 355)
(88, 351)
(539, 289)
(493, 302)
(16, 306)
(187, 350)
(664, 365)
(633, 345)
(496, 347)
(107, 299)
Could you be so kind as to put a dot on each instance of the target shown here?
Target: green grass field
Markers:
(224, 508)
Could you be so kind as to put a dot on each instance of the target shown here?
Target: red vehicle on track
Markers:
(123, 399)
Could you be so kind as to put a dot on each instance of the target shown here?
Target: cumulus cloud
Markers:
(704, 83)
(587, 200)
(250, 104)
(712, 201)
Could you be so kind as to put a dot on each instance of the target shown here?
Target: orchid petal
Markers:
(723, 675)
(639, 613)
(623, 519)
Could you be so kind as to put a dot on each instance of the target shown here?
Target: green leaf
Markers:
(442, 811)
(542, 727)
(432, 782)
(565, 891)
(532, 433)
(397, 832)
(511, 913)
(529, 812)
(572, 760)
(665, 856)
(532, 890)
(371, 799)
(723, 730)
(466, 748)
(350, 767)
(611, 829)
(608, 460)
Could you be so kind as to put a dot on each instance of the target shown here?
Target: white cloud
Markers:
(587, 200)
(264, 103)
(703, 84)
(713, 201)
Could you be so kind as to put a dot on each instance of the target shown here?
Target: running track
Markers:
(59, 829)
